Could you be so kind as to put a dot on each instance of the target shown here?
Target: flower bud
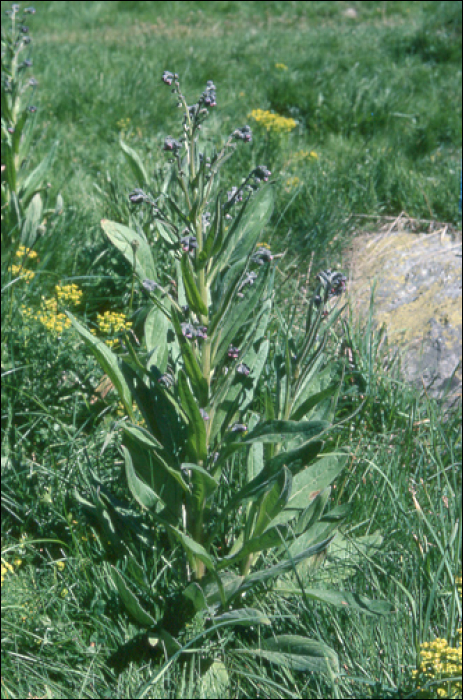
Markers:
(29, 11)
(242, 368)
(32, 109)
(150, 285)
(168, 77)
(261, 173)
(239, 428)
(262, 256)
(244, 133)
(188, 243)
(233, 352)
(203, 413)
(171, 144)
(137, 196)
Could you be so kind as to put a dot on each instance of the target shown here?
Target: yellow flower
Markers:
(292, 182)
(281, 66)
(273, 122)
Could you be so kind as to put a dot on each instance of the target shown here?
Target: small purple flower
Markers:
(244, 133)
(24, 29)
(189, 243)
(242, 368)
(239, 428)
(32, 109)
(262, 256)
(27, 63)
(261, 173)
(208, 96)
(249, 279)
(233, 353)
(203, 413)
(32, 82)
(29, 11)
(188, 330)
(137, 196)
(150, 285)
(11, 130)
(201, 332)
(166, 380)
(168, 77)
(171, 144)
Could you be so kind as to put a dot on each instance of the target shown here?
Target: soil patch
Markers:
(417, 267)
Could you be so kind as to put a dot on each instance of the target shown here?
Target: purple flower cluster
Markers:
(261, 173)
(190, 331)
(262, 256)
(189, 243)
(208, 97)
(171, 144)
(244, 133)
(168, 77)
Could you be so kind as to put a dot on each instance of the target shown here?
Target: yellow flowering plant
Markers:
(196, 380)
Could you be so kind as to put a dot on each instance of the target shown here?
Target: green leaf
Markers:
(142, 493)
(136, 164)
(156, 327)
(350, 600)
(312, 401)
(196, 429)
(203, 484)
(32, 221)
(279, 430)
(244, 617)
(108, 362)
(245, 231)
(131, 603)
(193, 548)
(207, 592)
(263, 575)
(122, 238)
(34, 180)
(297, 653)
(273, 502)
(193, 296)
(315, 478)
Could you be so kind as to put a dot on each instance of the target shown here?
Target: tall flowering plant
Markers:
(23, 212)
(196, 379)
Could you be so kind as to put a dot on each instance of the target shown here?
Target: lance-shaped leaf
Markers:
(193, 548)
(108, 361)
(150, 465)
(193, 296)
(272, 537)
(244, 233)
(280, 430)
(140, 490)
(133, 246)
(192, 368)
(161, 456)
(297, 653)
(156, 327)
(34, 180)
(136, 164)
(244, 617)
(271, 572)
(163, 416)
(341, 599)
(131, 603)
(273, 502)
(207, 593)
(202, 483)
(197, 445)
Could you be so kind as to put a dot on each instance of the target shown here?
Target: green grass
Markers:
(378, 99)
